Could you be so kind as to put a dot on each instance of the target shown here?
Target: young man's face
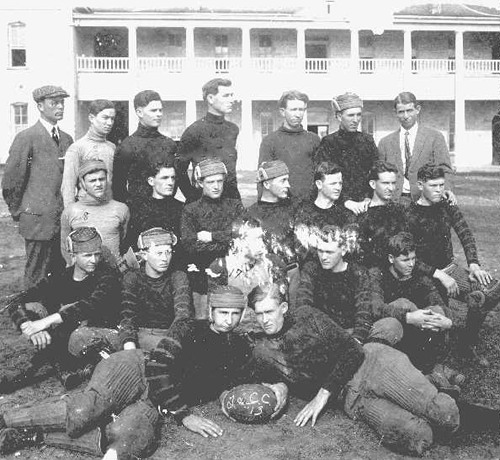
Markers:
(103, 122)
(158, 258)
(384, 187)
(279, 187)
(407, 114)
(212, 186)
(222, 102)
(432, 190)
(225, 319)
(331, 186)
(95, 183)
(270, 315)
(350, 119)
(151, 115)
(330, 254)
(87, 261)
(293, 113)
(403, 264)
(51, 109)
(163, 183)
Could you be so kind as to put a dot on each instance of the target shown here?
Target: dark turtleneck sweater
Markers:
(211, 137)
(215, 216)
(310, 352)
(355, 153)
(132, 159)
(296, 148)
(277, 223)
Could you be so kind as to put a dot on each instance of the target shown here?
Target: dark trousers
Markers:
(42, 258)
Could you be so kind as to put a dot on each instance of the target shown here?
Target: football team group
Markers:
(150, 289)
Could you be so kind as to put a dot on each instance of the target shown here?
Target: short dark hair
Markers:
(430, 172)
(154, 168)
(212, 86)
(326, 168)
(272, 291)
(380, 167)
(346, 237)
(401, 244)
(99, 105)
(143, 98)
(292, 95)
(405, 98)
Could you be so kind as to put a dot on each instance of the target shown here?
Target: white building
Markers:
(448, 55)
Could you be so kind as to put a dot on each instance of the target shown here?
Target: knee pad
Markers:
(135, 431)
(387, 330)
(398, 428)
(442, 411)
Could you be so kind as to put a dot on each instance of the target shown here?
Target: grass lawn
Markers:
(335, 436)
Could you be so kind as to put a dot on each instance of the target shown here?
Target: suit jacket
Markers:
(430, 147)
(33, 194)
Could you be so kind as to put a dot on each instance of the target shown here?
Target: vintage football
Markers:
(250, 403)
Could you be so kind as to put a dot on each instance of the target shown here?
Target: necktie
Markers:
(55, 135)
(407, 153)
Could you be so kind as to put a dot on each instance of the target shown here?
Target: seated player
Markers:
(155, 295)
(94, 208)
(413, 301)
(125, 388)
(160, 208)
(206, 227)
(431, 219)
(339, 287)
(317, 359)
(275, 210)
(383, 218)
(87, 293)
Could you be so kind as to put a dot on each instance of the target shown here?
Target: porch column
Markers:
(190, 110)
(132, 49)
(190, 65)
(407, 57)
(355, 51)
(460, 137)
(246, 57)
(301, 48)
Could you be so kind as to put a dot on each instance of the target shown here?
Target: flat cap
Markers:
(39, 94)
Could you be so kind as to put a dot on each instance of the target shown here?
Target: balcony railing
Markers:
(163, 64)
(473, 67)
(217, 65)
(327, 65)
(433, 66)
(482, 66)
(380, 65)
(102, 64)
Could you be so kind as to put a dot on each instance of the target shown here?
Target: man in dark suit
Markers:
(413, 146)
(32, 181)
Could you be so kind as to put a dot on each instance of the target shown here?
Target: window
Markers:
(17, 44)
(265, 41)
(174, 40)
(19, 116)
(266, 123)
(221, 45)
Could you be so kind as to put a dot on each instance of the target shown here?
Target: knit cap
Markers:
(157, 236)
(347, 101)
(226, 297)
(91, 166)
(209, 167)
(84, 239)
(271, 169)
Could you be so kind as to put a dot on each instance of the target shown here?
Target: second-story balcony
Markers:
(221, 65)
